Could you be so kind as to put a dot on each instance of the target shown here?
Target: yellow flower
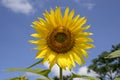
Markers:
(61, 39)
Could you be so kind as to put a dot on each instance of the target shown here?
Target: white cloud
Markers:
(18, 6)
(55, 70)
(46, 64)
(89, 4)
(84, 71)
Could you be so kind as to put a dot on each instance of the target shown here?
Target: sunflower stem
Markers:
(61, 77)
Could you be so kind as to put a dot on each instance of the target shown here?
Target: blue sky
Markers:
(16, 17)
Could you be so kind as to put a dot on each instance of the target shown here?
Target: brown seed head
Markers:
(60, 40)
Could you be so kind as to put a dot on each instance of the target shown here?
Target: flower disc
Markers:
(61, 39)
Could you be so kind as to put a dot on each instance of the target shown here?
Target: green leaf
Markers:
(40, 79)
(38, 71)
(38, 62)
(44, 72)
(117, 78)
(83, 76)
(24, 69)
(18, 78)
(43, 79)
(15, 79)
(114, 54)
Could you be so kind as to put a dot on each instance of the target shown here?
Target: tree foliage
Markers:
(106, 68)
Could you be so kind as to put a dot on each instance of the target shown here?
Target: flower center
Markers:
(60, 37)
(60, 40)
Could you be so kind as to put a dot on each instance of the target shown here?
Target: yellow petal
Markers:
(39, 25)
(86, 46)
(65, 18)
(77, 59)
(61, 61)
(83, 40)
(74, 22)
(45, 24)
(83, 20)
(42, 21)
(69, 21)
(35, 35)
(86, 27)
(52, 18)
(71, 14)
(83, 34)
(79, 23)
(34, 41)
(80, 55)
(41, 47)
(52, 60)
(42, 32)
(80, 29)
(40, 41)
(41, 54)
(58, 16)
(83, 52)
(46, 15)
(75, 19)
(72, 59)
(51, 57)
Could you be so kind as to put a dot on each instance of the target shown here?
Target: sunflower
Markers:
(61, 39)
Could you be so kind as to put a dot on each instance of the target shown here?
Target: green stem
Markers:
(61, 77)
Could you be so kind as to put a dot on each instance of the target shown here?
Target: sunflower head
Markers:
(61, 39)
